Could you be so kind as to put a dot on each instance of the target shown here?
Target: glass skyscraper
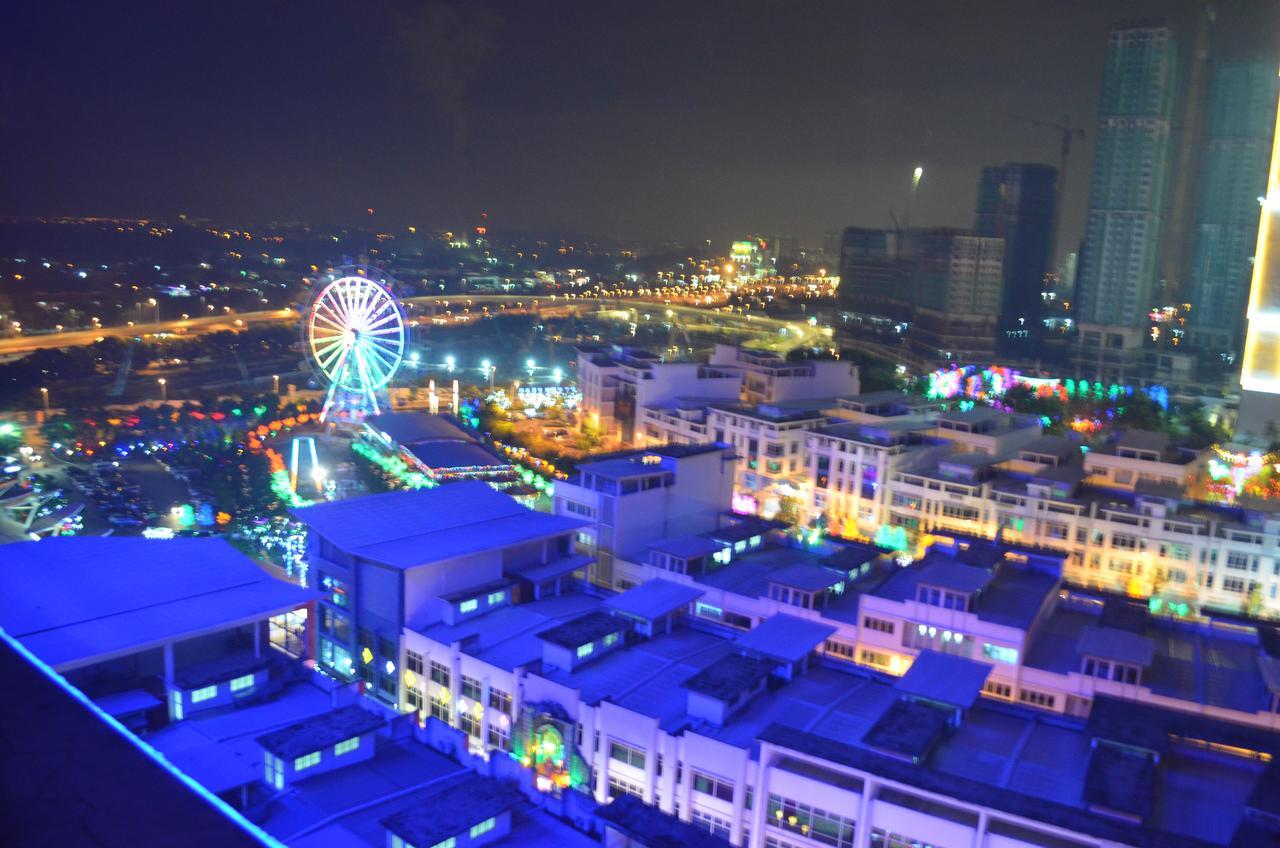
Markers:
(1131, 164)
(1237, 150)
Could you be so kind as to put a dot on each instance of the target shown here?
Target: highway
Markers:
(781, 335)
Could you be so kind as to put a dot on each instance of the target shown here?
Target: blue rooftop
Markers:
(410, 528)
(74, 600)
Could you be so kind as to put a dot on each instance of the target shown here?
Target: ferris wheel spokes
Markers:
(357, 339)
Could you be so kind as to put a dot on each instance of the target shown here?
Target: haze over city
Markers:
(446, 424)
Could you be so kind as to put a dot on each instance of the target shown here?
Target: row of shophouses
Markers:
(1127, 510)
(779, 692)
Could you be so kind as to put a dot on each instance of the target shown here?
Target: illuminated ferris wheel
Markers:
(356, 332)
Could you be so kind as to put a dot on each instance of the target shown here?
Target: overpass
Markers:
(780, 335)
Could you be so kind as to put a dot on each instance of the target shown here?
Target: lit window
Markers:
(241, 683)
(611, 639)
(497, 597)
(204, 694)
(306, 761)
(999, 653)
(483, 827)
(468, 606)
(451, 842)
(585, 650)
(347, 745)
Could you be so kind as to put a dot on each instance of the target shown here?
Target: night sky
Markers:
(632, 120)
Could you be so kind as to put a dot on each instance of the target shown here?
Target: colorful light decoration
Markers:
(992, 383)
(1233, 472)
(356, 332)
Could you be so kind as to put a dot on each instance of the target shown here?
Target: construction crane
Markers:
(1068, 133)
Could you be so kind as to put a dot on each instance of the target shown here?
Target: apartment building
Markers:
(633, 396)
(625, 500)
(773, 695)
(418, 557)
(769, 379)
(618, 382)
(768, 441)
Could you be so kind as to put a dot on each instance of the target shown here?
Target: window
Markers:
(413, 661)
(999, 653)
(585, 650)
(1124, 540)
(469, 724)
(204, 694)
(1037, 699)
(877, 624)
(1000, 690)
(347, 745)
(500, 737)
(483, 827)
(843, 650)
(439, 673)
(471, 688)
(306, 761)
(1229, 584)
(496, 598)
(714, 825)
(817, 824)
(881, 838)
(468, 606)
(500, 701)
(710, 785)
(619, 787)
(611, 639)
(440, 706)
(451, 842)
(239, 684)
(273, 770)
(874, 658)
(624, 753)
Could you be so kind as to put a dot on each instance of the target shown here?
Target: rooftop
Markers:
(404, 529)
(947, 679)
(686, 547)
(586, 628)
(406, 428)
(76, 599)
(1194, 664)
(124, 794)
(652, 828)
(453, 809)
(453, 454)
(320, 731)
(730, 676)
(654, 599)
(908, 728)
(1110, 643)
(807, 577)
(785, 637)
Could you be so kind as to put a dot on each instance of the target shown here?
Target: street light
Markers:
(275, 383)
(153, 302)
(530, 366)
(164, 392)
(489, 369)
(556, 376)
(449, 363)
(44, 393)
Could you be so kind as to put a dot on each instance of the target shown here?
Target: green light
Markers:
(8, 429)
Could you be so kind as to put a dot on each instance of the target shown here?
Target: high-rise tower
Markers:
(1260, 372)
(1119, 266)
(1015, 203)
(1237, 151)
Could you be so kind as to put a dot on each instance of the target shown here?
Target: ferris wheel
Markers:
(356, 332)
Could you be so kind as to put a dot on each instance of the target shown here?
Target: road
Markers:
(797, 333)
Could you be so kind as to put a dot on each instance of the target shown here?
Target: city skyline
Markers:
(756, 119)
